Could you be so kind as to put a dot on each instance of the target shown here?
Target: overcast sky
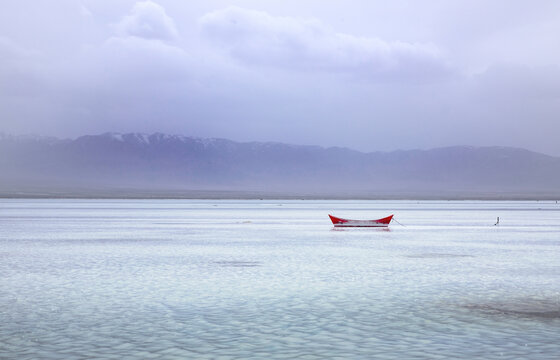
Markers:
(368, 75)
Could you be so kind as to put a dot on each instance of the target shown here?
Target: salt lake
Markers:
(272, 279)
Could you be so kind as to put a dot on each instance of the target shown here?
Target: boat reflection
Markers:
(375, 229)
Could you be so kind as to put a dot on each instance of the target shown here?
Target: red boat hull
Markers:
(339, 222)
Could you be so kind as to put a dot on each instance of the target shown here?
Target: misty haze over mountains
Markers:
(170, 165)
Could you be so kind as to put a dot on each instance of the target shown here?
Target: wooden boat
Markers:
(338, 222)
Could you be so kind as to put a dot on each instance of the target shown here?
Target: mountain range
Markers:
(134, 164)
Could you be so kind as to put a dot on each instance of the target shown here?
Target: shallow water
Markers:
(273, 279)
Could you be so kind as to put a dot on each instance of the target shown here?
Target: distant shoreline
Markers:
(265, 195)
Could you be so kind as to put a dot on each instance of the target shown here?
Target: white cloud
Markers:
(140, 53)
(148, 20)
(85, 12)
(256, 37)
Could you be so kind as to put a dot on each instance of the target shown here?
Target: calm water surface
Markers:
(176, 279)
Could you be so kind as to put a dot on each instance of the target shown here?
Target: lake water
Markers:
(240, 279)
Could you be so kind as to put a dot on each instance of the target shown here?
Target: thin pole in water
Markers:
(497, 222)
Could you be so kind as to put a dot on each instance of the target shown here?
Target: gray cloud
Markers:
(514, 104)
(256, 37)
(250, 75)
(21, 69)
(519, 82)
